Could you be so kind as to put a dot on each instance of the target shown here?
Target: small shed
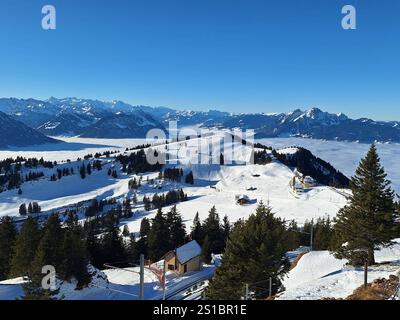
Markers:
(242, 199)
(184, 259)
(298, 187)
(309, 182)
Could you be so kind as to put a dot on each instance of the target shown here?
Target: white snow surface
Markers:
(319, 274)
(188, 251)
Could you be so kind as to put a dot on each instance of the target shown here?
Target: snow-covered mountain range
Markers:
(116, 119)
(15, 133)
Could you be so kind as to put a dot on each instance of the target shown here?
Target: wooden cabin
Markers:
(242, 199)
(184, 259)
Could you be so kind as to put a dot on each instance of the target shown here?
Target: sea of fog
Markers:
(345, 156)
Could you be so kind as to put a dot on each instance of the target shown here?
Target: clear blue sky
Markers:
(233, 55)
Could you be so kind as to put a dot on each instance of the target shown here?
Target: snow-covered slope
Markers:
(320, 275)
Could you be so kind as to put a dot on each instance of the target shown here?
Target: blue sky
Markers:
(232, 55)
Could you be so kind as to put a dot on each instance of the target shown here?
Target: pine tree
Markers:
(25, 248)
(146, 203)
(158, 237)
(226, 228)
(93, 248)
(145, 227)
(214, 235)
(36, 208)
(176, 227)
(125, 231)
(294, 235)
(256, 250)
(75, 260)
(8, 234)
(369, 220)
(134, 199)
(49, 251)
(133, 251)
(113, 250)
(30, 209)
(322, 234)
(197, 231)
(189, 178)
(82, 171)
(22, 210)
(89, 169)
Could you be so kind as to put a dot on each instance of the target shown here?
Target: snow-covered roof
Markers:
(298, 185)
(242, 197)
(308, 178)
(188, 251)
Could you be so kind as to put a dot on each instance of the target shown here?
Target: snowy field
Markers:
(214, 185)
(319, 274)
(345, 156)
(114, 284)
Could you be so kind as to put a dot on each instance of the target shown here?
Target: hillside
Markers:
(319, 275)
(15, 133)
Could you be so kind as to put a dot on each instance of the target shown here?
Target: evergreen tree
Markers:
(197, 231)
(369, 220)
(25, 248)
(125, 231)
(322, 234)
(294, 235)
(113, 249)
(145, 227)
(134, 199)
(89, 169)
(189, 178)
(146, 203)
(256, 250)
(177, 229)
(30, 209)
(93, 247)
(133, 251)
(158, 237)
(36, 208)
(214, 235)
(22, 210)
(226, 228)
(75, 260)
(82, 171)
(49, 251)
(8, 234)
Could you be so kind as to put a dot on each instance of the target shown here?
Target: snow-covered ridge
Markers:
(311, 123)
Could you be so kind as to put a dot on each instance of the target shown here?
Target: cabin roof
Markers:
(188, 251)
